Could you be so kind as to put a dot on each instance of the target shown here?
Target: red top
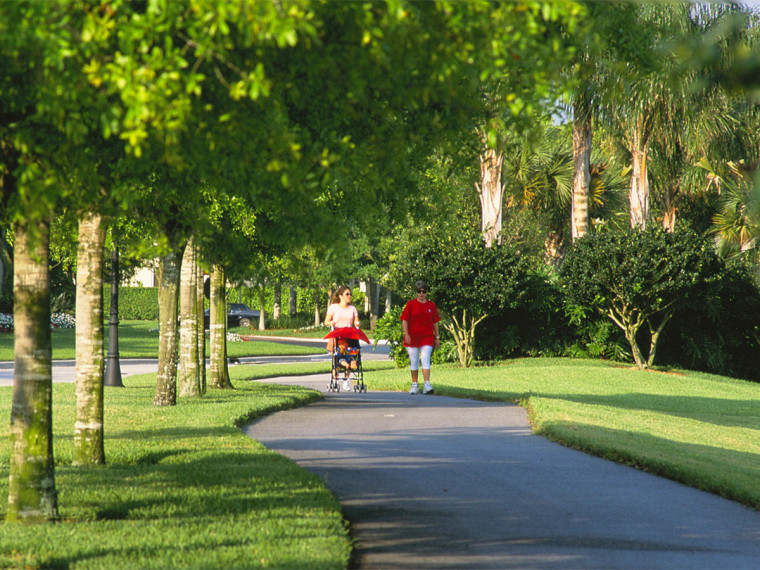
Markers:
(420, 318)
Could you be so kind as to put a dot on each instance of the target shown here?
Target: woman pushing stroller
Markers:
(342, 314)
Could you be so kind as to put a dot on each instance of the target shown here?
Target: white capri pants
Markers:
(419, 353)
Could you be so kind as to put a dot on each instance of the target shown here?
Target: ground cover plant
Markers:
(183, 488)
(696, 428)
(139, 339)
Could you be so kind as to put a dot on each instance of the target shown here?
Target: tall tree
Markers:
(32, 496)
(528, 59)
(189, 378)
(88, 430)
(218, 374)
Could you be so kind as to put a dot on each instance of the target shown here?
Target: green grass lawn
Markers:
(184, 488)
(139, 339)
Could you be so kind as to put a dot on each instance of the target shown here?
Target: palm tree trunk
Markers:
(32, 495)
(490, 192)
(582, 138)
(219, 375)
(168, 298)
(189, 381)
(639, 194)
(88, 429)
(669, 209)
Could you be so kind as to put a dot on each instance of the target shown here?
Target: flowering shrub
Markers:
(233, 337)
(62, 321)
(57, 321)
(6, 322)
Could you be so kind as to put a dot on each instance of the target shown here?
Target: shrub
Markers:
(720, 334)
(639, 280)
(135, 303)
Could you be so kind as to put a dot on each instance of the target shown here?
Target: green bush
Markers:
(720, 334)
(639, 280)
(388, 327)
(135, 303)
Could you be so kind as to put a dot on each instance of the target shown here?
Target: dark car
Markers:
(238, 315)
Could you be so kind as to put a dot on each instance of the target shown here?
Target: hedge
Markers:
(135, 303)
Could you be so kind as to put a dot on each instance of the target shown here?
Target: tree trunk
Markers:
(317, 319)
(201, 327)
(189, 380)
(582, 139)
(168, 299)
(374, 312)
(219, 375)
(32, 495)
(388, 300)
(630, 327)
(262, 306)
(554, 246)
(464, 337)
(490, 193)
(90, 363)
(365, 286)
(277, 300)
(293, 307)
(669, 209)
(639, 194)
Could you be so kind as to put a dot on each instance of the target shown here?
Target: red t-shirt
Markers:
(420, 318)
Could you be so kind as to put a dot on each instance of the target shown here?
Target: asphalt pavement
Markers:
(443, 483)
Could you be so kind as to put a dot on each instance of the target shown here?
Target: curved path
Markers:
(436, 482)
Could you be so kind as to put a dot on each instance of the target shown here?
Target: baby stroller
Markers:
(347, 359)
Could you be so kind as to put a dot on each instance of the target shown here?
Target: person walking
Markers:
(340, 314)
(419, 321)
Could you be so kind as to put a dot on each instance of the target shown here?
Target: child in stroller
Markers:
(347, 366)
(347, 354)
(343, 318)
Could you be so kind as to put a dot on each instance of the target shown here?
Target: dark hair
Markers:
(338, 292)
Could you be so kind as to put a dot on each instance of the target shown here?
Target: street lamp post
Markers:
(113, 368)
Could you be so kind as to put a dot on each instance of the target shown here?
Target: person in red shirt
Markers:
(419, 321)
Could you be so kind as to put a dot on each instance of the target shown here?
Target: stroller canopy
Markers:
(348, 332)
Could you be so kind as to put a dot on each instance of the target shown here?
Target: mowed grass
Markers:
(183, 487)
(699, 429)
(139, 339)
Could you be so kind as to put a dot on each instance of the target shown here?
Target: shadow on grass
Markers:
(717, 411)
(193, 484)
(729, 473)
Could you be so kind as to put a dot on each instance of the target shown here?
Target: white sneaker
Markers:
(413, 391)
(427, 389)
(346, 384)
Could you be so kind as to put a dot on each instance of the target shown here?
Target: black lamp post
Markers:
(113, 368)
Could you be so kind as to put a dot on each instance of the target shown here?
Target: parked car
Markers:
(238, 315)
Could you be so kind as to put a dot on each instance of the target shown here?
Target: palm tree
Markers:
(736, 226)
(539, 171)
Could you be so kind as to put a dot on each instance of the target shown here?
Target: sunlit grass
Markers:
(183, 488)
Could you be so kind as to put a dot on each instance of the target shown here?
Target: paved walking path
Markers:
(436, 482)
